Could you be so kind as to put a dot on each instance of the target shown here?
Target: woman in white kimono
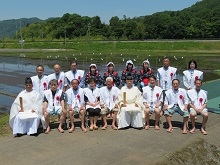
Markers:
(130, 102)
(190, 75)
(54, 105)
(151, 101)
(75, 101)
(26, 111)
(92, 100)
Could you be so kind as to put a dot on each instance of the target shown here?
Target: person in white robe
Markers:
(54, 105)
(176, 100)
(108, 98)
(190, 75)
(40, 81)
(58, 75)
(131, 109)
(74, 73)
(151, 101)
(75, 102)
(92, 101)
(198, 105)
(26, 111)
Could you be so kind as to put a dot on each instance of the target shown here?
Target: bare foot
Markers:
(147, 127)
(84, 130)
(104, 127)
(60, 130)
(71, 129)
(185, 132)
(203, 131)
(91, 128)
(170, 130)
(114, 127)
(156, 127)
(95, 127)
(192, 131)
(47, 130)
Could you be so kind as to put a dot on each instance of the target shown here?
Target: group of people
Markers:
(109, 96)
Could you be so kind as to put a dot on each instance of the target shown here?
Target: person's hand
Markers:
(199, 111)
(96, 103)
(136, 105)
(124, 105)
(63, 110)
(21, 110)
(32, 111)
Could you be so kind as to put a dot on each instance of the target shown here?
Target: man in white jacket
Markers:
(198, 104)
(176, 100)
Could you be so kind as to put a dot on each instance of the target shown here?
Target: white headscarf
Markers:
(110, 64)
(93, 65)
(146, 61)
(130, 62)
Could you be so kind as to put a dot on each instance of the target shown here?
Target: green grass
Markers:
(4, 125)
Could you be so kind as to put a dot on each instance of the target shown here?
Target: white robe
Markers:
(92, 96)
(180, 98)
(151, 97)
(130, 115)
(198, 99)
(26, 122)
(165, 76)
(40, 85)
(75, 99)
(77, 75)
(190, 76)
(59, 78)
(109, 97)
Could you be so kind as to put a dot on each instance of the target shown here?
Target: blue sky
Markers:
(105, 9)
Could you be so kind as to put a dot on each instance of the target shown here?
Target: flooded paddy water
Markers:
(14, 70)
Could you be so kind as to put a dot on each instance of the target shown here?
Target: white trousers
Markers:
(127, 118)
(23, 124)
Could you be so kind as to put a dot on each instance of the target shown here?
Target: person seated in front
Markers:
(93, 73)
(75, 101)
(151, 101)
(92, 101)
(176, 100)
(198, 105)
(130, 102)
(108, 98)
(26, 111)
(54, 105)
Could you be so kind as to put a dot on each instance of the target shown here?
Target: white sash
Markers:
(78, 75)
(59, 78)
(198, 99)
(55, 100)
(151, 97)
(92, 96)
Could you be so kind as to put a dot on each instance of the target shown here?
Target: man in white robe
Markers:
(75, 101)
(130, 102)
(58, 75)
(40, 81)
(198, 105)
(74, 73)
(109, 96)
(176, 100)
(54, 105)
(26, 111)
(151, 101)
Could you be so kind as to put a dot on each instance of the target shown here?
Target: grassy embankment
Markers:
(4, 125)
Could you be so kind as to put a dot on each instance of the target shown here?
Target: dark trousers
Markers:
(93, 112)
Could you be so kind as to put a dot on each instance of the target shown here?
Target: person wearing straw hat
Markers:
(112, 73)
(93, 73)
(26, 111)
(131, 71)
(131, 109)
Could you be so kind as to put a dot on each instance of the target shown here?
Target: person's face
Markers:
(198, 84)
(56, 69)
(93, 69)
(73, 66)
(145, 65)
(109, 84)
(28, 87)
(54, 86)
(192, 66)
(152, 82)
(40, 71)
(166, 62)
(110, 68)
(75, 84)
(129, 83)
(175, 84)
(92, 85)
(130, 66)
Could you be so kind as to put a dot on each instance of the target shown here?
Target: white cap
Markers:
(129, 62)
(92, 65)
(146, 61)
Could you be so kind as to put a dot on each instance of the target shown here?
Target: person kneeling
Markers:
(75, 101)
(151, 101)
(176, 100)
(92, 100)
(26, 111)
(54, 105)
(130, 104)
(109, 96)
(198, 104)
